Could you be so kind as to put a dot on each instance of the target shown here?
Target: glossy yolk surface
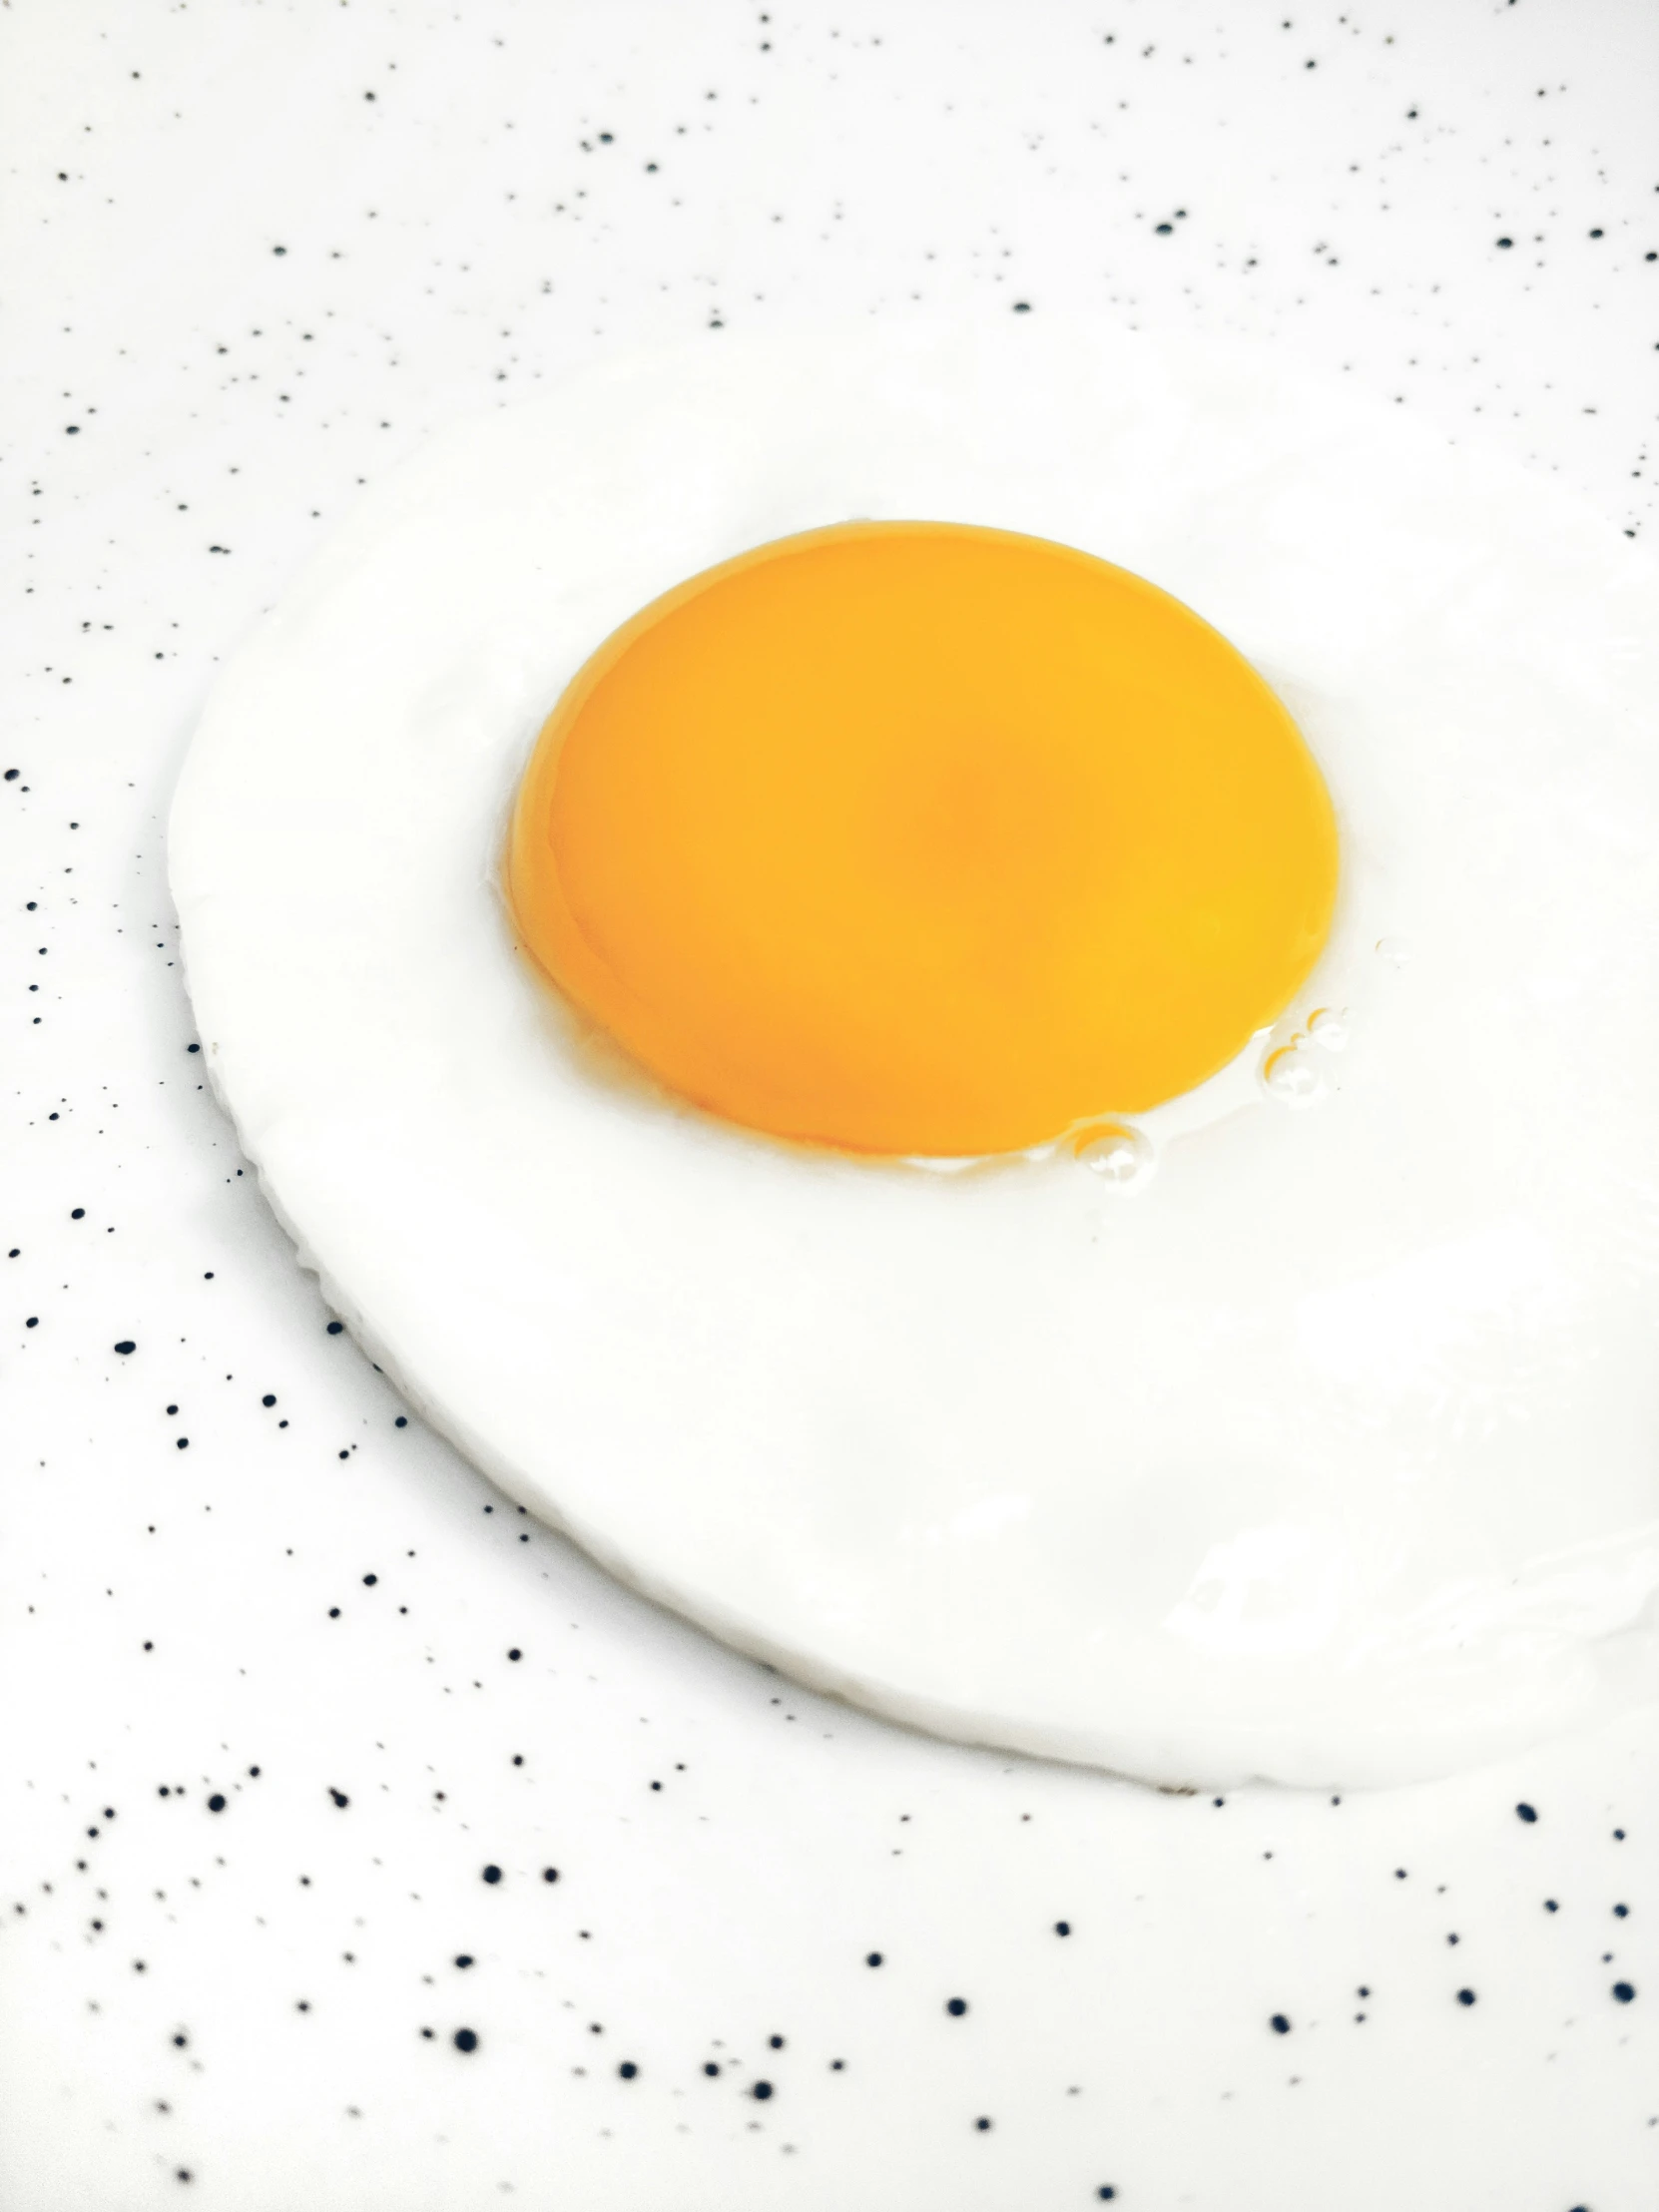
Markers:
(922, 839)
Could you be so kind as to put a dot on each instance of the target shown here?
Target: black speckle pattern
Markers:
(310, 1726)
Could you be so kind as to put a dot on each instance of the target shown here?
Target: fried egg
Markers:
(980, 1003)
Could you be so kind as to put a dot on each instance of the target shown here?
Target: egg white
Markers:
(1327, 1454)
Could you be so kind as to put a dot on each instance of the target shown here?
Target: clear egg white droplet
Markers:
(1328, 1027)
(1292, 1076)
(1120, 1155)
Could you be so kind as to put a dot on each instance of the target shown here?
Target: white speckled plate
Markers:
(308, 1603)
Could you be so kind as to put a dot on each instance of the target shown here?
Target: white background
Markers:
(248, 254)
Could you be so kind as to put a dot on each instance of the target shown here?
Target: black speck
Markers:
(1062, 1927)
(550, 1874)
(628, 2069)
(335, 1327)
(515, 1653)
(1466, 1997)
(463, 1959)
(873, 1958)
(1279, 2024)
(1164, 230)
(465, 2039)
(981, 2124)
(1506, 243)
(1623, 1992)
(216, 1804)
(956, 2007)
(492, 1873)
(710, 2069)
(761, 2091)
(341, 1799)
(1525, 1813)
(126, 1345)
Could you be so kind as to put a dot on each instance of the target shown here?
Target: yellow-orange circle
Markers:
(921, 839)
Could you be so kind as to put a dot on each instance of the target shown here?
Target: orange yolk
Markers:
(920, 839)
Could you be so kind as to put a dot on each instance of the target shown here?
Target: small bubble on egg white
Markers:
(1119, 1155)
(1395, 950)
(1328, 1027)
(1292, 1077)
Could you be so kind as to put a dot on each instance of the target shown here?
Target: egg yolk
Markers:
(916, 837)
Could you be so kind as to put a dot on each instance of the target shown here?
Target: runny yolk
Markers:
(914, 838)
